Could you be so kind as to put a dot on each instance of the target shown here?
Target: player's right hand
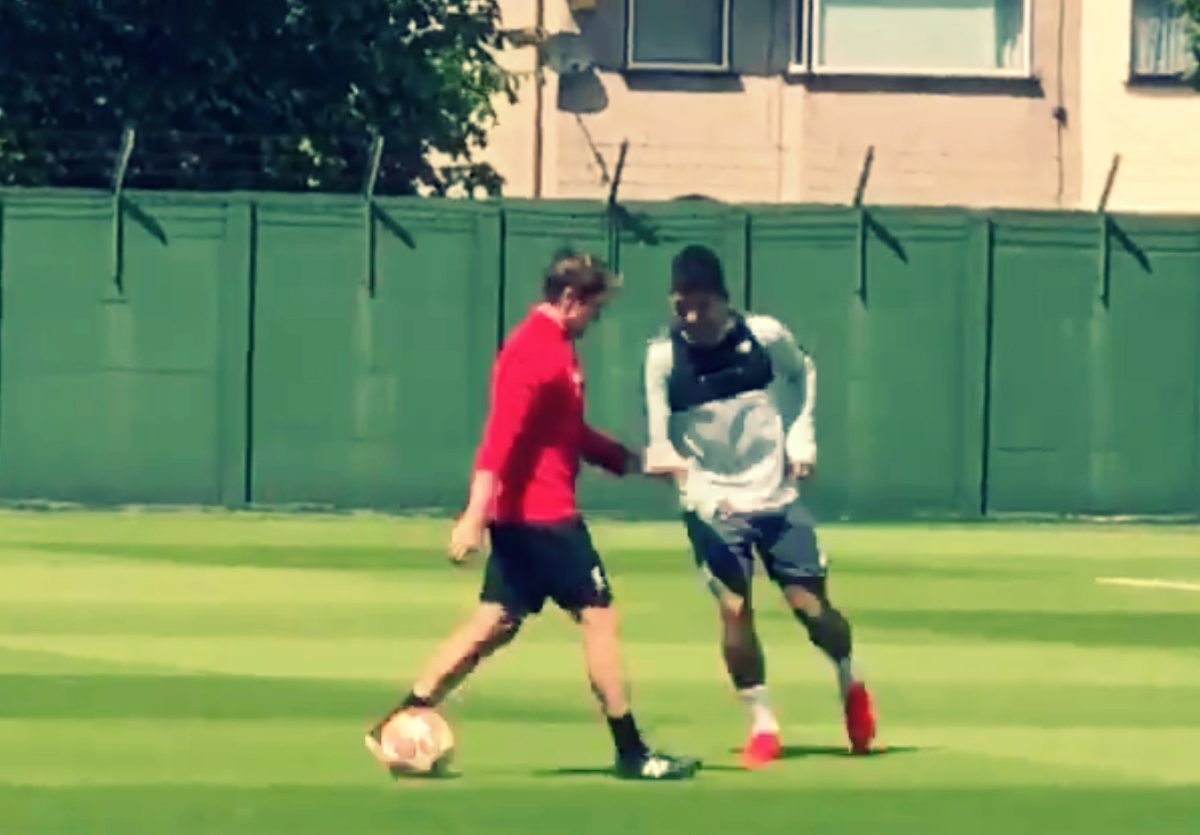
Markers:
(466, 537)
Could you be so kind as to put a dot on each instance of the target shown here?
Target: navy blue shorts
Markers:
(784, 540)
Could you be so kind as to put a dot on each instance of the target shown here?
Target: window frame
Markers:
(1149, 78)
(804, 14)
(631, 63)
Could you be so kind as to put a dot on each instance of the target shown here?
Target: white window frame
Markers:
(671, 66)
(798, 59)
(807, 12)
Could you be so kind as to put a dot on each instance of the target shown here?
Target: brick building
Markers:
(1009, 103)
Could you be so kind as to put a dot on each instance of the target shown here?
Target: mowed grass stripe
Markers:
(114, 580)
(542, 658)
(897, 543)
(910, 709)
(238, 657)
(431, 614)
(258, 753)
(598, 809)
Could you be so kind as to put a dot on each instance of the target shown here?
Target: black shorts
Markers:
(530, 563)
(784, 539)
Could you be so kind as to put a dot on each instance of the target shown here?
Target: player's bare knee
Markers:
(804, 600)
(735, 611)
(598, 619)
(504, 632)
(495, 627)
(738, 624)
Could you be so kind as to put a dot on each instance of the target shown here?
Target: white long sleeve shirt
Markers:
(736, 450)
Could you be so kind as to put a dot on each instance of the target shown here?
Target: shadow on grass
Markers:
(401, 778)
(608, 772)
(799, 752)
(790, 752)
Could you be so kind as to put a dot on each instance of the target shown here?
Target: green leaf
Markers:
(221, 94)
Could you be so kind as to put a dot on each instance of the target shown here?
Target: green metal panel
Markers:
(442, 303)
(1152, 441)
(805, 273)
(371, 398)
(373, 336)
(892, 306)
(1094, 406)
(923, 351)
(130, 391)
(1047, 360)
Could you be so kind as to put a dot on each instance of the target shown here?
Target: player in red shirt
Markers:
(523, 492)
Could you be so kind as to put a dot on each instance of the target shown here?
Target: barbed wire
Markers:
(207, 160)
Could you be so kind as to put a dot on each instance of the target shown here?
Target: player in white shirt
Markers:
(730, 402)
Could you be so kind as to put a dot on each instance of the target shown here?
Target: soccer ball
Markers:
(417, 742)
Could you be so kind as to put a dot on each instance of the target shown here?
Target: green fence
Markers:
(277, 350)
(373, 333)
(892, 305)
(1096, 366)
(123, 349)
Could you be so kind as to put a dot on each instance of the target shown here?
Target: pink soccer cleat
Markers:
(761, 750)
(860, 718)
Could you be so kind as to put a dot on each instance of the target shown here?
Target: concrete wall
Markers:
(1152, 127)
(969, 143)
(761, 135)
(511, 139)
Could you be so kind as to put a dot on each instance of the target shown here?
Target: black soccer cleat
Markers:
(651, 765)
(374, 742)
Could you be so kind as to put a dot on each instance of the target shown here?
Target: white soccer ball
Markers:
(417, 742)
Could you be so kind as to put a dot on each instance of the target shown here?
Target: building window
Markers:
(1160, 40)
(678, 34)
(912, 37)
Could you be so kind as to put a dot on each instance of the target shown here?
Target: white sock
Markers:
(762, 718)
(845, 675)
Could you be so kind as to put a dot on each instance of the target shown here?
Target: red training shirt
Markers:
(535, 433)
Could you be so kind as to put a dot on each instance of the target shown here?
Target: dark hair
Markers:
(586, 275)
(697, 269)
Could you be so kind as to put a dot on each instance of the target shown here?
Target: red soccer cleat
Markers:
(860, 718)
(762, 748)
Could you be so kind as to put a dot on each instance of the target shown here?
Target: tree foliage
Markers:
(263, 94)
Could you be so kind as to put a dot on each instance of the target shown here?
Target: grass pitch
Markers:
(212, 673)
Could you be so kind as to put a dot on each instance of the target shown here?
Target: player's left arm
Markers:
(798, 370)
(661, 458)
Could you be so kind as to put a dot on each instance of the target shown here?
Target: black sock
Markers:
(409, 701)
(626, 737)
(413, 700)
